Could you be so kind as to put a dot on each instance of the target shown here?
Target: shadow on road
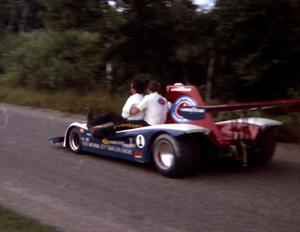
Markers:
(276, 168)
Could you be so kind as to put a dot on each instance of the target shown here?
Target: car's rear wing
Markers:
(198, 112)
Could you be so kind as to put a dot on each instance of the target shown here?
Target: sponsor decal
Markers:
(112, 142)
(131, 140)
(138, 154)
(128, 145)
(116, 149)
(113, 145)
(93, 145)
(140, 141)
(105, 141)
(131, 143)
(127, 126)
(116, 142)
(161, 101)
(193, 113)
(193, 110)
(180, 102)
(181, 89)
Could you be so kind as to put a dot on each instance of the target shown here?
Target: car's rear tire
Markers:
(174, 157)
(74, 141)
(263, 150)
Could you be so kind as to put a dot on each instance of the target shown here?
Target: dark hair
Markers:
(154, 86)
(138, 85)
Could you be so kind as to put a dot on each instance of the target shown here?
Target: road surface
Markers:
(87, 193)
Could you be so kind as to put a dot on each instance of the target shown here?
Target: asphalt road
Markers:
(87, 193)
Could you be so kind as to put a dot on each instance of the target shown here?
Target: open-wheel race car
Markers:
(189, 136)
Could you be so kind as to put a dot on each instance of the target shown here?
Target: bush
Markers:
(52, 60)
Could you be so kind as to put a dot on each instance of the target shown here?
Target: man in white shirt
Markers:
(154, 106)
(133, 100)
(111, 118)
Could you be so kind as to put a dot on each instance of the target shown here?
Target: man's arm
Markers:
(141, 106)
(134, 110)
(126, 108)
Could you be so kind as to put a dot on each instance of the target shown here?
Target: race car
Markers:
(188, 138)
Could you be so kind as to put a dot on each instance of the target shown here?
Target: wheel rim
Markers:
(164, 155)
(74, 140)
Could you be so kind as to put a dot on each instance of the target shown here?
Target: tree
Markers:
(259, 38)
(237, 48)
(54, 61)
(167, 39)
(19, 15)
(70, 14)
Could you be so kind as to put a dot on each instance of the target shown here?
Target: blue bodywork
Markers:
(133, 144)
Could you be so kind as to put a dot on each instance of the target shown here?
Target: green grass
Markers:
(65, 101)
(103, 101)
(12, 222)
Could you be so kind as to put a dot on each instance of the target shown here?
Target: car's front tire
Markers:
(74, 141)
(174, 157)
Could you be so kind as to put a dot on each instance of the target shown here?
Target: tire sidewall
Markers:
(184, 163)
(164, 138)
(264, 149)
(72, 134)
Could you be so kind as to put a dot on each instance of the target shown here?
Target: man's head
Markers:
(153, 86)
(137, 86)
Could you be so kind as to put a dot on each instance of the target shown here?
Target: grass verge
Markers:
(65, 101)
(12, 222)
(103, 101)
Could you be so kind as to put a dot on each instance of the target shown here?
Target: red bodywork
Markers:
(224, 133)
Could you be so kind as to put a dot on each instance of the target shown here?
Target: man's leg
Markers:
(121, 125)
(107, 121)
(105, 118)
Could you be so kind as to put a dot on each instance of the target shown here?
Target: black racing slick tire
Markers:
(173, 157)
(263, 150)
(74, 141)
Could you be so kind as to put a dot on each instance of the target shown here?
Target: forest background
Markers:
(67, 54)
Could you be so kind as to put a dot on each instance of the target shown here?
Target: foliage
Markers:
(167, 39)
(259, 40)
(69, 14)
(241, 47)
(19, 15)
(52, 60)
